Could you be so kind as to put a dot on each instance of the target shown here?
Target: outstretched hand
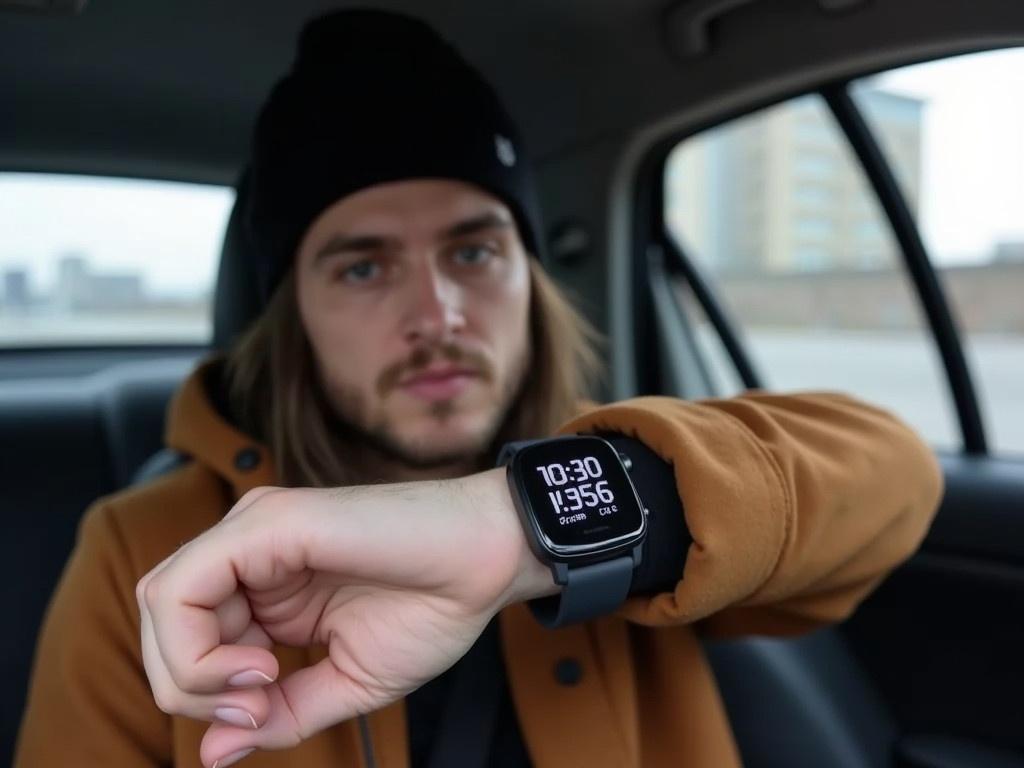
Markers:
(397, 581)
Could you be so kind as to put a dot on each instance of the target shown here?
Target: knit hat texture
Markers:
(375, 97)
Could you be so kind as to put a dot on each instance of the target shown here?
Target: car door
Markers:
(868, 236)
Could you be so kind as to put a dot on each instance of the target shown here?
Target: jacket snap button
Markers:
(246, 459)
(568, 672)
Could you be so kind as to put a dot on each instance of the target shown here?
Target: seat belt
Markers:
(466, 728)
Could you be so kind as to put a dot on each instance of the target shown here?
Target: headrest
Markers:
(236, 299)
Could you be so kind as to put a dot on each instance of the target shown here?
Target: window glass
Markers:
(89, 260)
(777, 213)
(719, 372)
(966, 187)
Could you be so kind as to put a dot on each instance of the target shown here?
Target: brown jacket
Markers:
(798, 506)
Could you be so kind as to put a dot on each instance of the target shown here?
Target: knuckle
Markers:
(250, 496)
(255, 495)
(186, 677)
(150, 590)
(252, 503)
(168, 702)
(140, 590)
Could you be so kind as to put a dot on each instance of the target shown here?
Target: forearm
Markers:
(798, 505)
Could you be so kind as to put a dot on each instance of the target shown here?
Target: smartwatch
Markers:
(582, 517)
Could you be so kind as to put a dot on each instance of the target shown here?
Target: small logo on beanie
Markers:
(506, 152)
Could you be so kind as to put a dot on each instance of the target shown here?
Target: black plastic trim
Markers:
(933, 300)
(982, 514)
(716, 313)
(127, 348)
(649, 228)
(687, 362)
(72, 362)
(648, 210)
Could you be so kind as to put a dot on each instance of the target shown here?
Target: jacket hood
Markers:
(198, 429)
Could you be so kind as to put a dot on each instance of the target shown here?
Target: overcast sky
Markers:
(973, 151)
(169, 231)
(973, 189)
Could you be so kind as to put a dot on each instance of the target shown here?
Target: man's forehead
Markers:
(423, 207)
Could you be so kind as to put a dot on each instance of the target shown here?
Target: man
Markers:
(408, 335)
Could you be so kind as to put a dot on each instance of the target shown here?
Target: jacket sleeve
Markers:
(798, 505)
(89, 702)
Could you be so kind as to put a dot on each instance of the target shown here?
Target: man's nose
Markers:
(433, 307)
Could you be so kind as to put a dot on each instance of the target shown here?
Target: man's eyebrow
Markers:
(489, 220)
(340, 244)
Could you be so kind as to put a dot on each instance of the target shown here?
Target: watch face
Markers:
(579, 495)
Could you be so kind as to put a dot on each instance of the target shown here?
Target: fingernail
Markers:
(250, 678)
(235, 716)
(233, 758)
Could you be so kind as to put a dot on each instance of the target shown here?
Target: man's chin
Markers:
(440, 448)
(435, 444)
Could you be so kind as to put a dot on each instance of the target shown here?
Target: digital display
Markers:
(578, 492)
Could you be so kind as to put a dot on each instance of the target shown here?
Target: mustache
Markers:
(422, 357)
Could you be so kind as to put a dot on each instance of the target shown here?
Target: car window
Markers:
(777, 213)
(107, 261)
(966, 183)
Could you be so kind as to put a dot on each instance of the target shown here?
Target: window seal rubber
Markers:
(915, 256)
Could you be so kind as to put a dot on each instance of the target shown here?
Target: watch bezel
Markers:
(541, 544)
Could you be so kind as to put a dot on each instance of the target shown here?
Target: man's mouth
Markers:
(438, 382)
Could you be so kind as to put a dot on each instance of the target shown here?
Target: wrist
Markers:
(530, 578)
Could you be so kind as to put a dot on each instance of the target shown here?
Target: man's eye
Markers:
(360, 272)
(472, 255)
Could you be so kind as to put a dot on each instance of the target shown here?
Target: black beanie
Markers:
(375, 97)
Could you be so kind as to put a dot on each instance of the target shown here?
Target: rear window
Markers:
(88, 261)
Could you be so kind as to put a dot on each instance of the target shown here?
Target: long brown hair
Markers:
(275, 395)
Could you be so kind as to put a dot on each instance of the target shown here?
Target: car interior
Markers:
(927, 673)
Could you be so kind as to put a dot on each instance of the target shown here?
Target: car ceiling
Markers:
(170, 89)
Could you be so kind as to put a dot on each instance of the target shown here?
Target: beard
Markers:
(365, 439)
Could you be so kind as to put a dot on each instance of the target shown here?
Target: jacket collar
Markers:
(196, 428)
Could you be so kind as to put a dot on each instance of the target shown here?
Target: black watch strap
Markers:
(588, 591)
